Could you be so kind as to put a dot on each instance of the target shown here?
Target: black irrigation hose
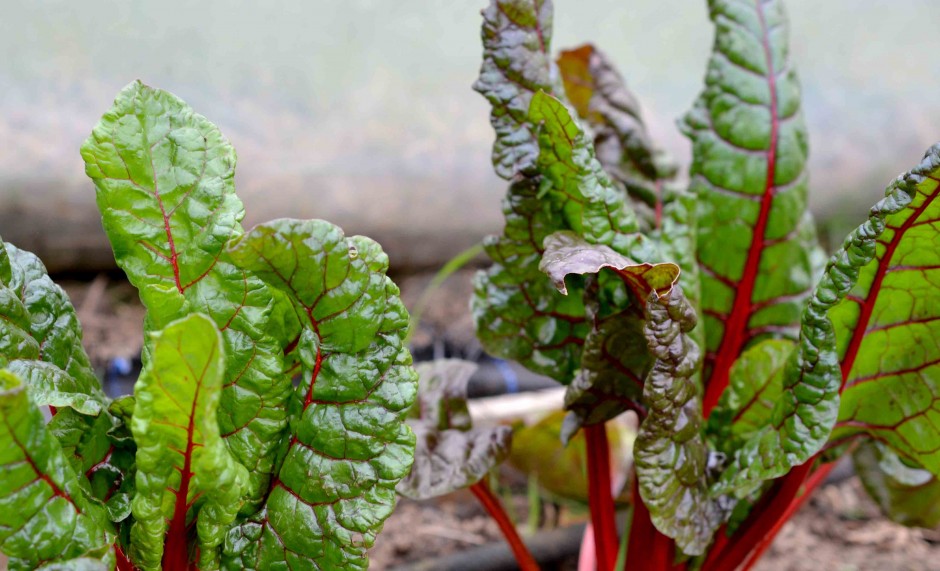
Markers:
(549, 548)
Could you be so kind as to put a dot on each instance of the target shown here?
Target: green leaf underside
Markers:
(186, 476)
(804, 415)
(450, 453)
(349, 445)
(756, 243)
(670, 454)
(889, 324)
(615, 358)
(622, 144)
(517, 63)
(46, 515)
(165, 187)
(909, 496)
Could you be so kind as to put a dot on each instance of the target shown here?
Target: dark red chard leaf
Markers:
(615, 358)
(517, 63)
(889, 324)
(756, 243)
(348, 444)
(47, 516)
(185, 472)
(622, 144)
(166, 190)
(670, 453)
(518, 313)
(450, 454)
(907, 495)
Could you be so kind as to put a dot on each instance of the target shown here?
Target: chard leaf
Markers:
(165, 187)
(517, 63)
(52, 320)
(670, 454)
(756, 244)
(518, 313)
(46, 515)
(43, 346)
(450, 454)
(50, 385)
(622, 144)
(615, 358)
(889, 324)
(186, 476)
(907, 495)
(349, 444)
(755, 386)
(803, 416)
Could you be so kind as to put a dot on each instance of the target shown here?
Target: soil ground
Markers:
(839, 529)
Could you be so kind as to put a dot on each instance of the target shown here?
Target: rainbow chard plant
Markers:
(218, 460)
(708, 309)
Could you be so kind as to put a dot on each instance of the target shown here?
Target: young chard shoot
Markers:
(217, 461)
(710, 311)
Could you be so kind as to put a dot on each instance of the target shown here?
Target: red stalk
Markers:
(735, 335)
(123, 563)
(757, 533)
(648, 549)
(495, 509)
(599, 496)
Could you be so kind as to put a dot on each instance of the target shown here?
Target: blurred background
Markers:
(361, 112)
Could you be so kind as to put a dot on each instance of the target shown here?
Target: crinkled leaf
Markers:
(755, 385)
(566, 253)
(165, 187)
(450, 454)
(670, 454)
(50, 385)
(517, 63)
(907, 495)
(349, 443)
(889, 324)
(622, 144)
(186, 476)
(53, 322)
(517, 312)
(615, 358)
(755, 242)
(46, 516)
(803, 416)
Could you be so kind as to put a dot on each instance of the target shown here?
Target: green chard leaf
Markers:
(165, 187)
(670, 453)
(907, 495)
(450, 453)
(349, 444)
(804, 414)
(55, 367)
(622, 144)
(889, 323)
(46, 514)
(517, 63)
(755, 385)
(186, 476)
(756, 242)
